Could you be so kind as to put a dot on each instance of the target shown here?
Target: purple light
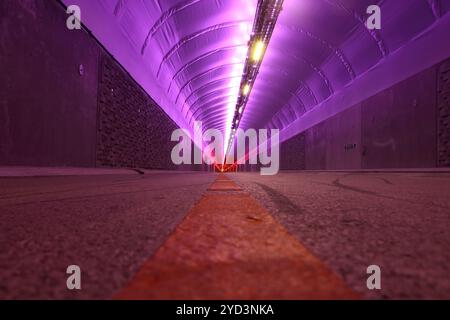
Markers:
(318, 50)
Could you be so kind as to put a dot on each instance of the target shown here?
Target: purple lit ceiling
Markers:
(319, 47)
(189, 54)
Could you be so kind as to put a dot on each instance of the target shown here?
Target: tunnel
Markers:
(224, 150)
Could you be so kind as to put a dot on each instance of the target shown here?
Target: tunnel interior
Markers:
(354, 96)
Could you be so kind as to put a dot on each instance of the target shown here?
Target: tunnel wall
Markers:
(132, 130)
(51, 114)
(292, 153)
(399, 125)
(405, 126)
(334, 144)
(444, 114)
(47, 110)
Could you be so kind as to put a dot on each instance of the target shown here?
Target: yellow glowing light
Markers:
(258, 50)
(246, 89)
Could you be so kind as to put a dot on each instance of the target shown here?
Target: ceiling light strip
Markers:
(267, 13)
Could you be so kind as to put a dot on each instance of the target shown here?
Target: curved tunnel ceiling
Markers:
(321, 47)
(189, 54)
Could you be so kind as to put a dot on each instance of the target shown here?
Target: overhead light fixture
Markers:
(258, 50)
(246, 89)
(267, 13)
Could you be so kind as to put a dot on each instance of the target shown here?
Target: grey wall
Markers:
(399, 125)
(47, 110)
(405, 126)
(444, 114)
(292, 153)
(132, 130)
(51, 115)
(335, 143)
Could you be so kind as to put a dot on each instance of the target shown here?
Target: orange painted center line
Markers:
(229, 247)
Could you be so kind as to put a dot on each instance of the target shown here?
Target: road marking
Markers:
(224, 185)
(229, 247)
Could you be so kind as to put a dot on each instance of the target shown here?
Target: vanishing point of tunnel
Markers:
(225, 149)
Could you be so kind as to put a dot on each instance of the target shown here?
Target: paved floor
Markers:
(21, 171)
(113, 225)
(399, 221)
(107, 224)
(229, 247)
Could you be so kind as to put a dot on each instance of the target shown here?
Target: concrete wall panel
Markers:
(343, 142)
(335, 143)
(316, 144)
(47, 109)
(51, 114)
(405, 126)
(399, 125)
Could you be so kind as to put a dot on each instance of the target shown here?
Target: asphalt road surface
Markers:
(106, 224)
(398, 221)
(112, 225)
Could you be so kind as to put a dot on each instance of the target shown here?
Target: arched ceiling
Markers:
(189, 54)
(320, 47)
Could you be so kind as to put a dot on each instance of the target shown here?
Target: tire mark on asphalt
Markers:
(337, 183)
(105, 194)
(385, 180)
(282, 202)
(435, 177)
